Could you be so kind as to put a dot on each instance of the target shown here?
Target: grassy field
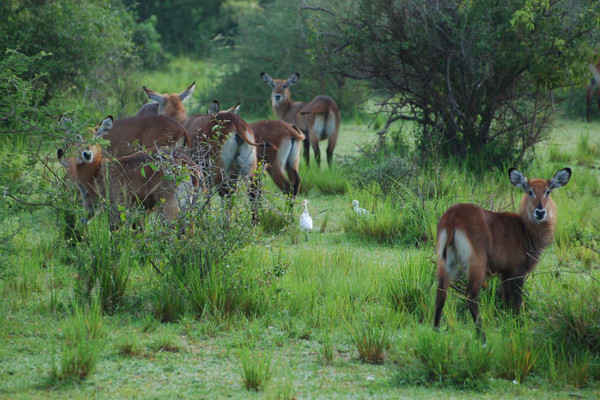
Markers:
(347, 313)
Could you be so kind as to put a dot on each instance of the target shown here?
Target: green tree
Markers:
(476, 76)
(82, 39)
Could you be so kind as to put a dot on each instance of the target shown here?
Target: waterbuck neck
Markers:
(539, 234)
(282, 108)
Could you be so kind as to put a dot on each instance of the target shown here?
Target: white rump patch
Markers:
(294, 153)
(246, 159)
(318, 126)
(458, 254)
(284, 152)
(228, 151)
(441, 242)
(330, 126)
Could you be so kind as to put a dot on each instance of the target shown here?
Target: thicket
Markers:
(475, 77)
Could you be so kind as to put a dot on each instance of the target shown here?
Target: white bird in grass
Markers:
(306, 223)
(359, 210)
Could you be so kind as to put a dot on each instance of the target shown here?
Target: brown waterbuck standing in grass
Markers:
(319, 119)
(476, 242)
(223, 138)
(129, 179)
(594, 85)
(128, 134)
(282, 155)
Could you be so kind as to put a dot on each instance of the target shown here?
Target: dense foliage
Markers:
(186, 26)
(81, 39)
(475, 76)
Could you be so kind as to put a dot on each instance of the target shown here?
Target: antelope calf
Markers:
(475, 242)
(128, 179)
(319, 119)
(127, 134)
(283, 154)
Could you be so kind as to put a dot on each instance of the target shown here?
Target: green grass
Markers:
(298, 318)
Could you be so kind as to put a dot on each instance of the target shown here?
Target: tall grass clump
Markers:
(450, 358)
(255, 369)
(517, 352)
(82, 332)
(411, 290)
(331, 180)
(275, 217)
(223, 292)
(106, 262)
(568, 312)
(371, 342)
(411, 222)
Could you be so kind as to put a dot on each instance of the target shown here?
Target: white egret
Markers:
(306, 223)
(359, 210)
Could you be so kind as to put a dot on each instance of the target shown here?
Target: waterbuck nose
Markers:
(540, 213)
(86, 155)
(277, 97)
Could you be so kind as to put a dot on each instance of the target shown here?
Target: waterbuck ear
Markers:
(517, 179)
(63, 161)
(214, 108)
(235, 109)
(187, 93)
(561, 178)
(152, 95)
(105, 126)
(291, 80)
(267, 79)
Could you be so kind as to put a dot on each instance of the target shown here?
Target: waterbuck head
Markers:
(537, 205)
(281, 87)
(172, 104)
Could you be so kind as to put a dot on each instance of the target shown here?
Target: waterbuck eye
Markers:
(531, 193)
(547, 193)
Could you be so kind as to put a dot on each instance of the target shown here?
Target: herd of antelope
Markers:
(471, 241)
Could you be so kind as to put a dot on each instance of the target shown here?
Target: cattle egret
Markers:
(306, 223)
(359, 210)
